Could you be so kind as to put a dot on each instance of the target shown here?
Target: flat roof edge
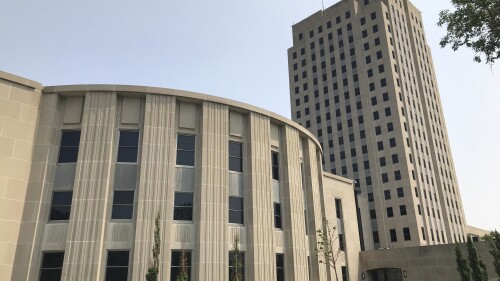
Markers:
(178, 93)
(20, 80)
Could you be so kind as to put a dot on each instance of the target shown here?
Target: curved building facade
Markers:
(105, 160)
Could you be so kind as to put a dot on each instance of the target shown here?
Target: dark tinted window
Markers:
(236, 210)
(344, 273)
(117, 266)
(185, 150)
(277, 215)
(275, 163)
(177, 256)
(183, 206)
(237, 266)
(402, 210)
(123, 205)
(280, 267)
(401, 193)
(235, 156)
(128, 146)
(52, 264)
(406, 234)
(394, 236)
(387, 194)
(61, 205)
(390, 212)
(70, 143)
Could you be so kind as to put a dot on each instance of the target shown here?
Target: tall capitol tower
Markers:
(363, 82)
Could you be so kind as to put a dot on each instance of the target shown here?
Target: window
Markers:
(406, 234)
(376, 239)
(390, 212)
(388, 111)
(235, 156)
(345, 276)
(392, 142)
(128, 147)
(185, 150)
(382, 161)
(183, 206)
(123, 205)
(61, 205)
(394, 236)
(402, 210)
(380, 145)
(236, 210)
(370, 197)
(236, 266)
(373, 214)
(397, 175)
(117, 266)
(280, 267)
(277, 215)
(175, 269)
(400, 192)
(385, 178)
(68, 150)
(52, 264)
(275, 165)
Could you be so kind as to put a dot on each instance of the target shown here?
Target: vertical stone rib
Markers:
(211, 249)
(293, 208)
(260, 227)
(314, 206)
(84, 255)
(28, 254)
(156, 185)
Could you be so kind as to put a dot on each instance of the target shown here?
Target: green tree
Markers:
(152, 274)
(477, 265)
(328, 247)
(462, 266)
(494, 241)
(236, 274)
(474, 24)
(184, 266)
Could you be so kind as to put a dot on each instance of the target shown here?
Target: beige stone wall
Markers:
(336, 187)
(100, 112)
(424, 263)
(19, 102)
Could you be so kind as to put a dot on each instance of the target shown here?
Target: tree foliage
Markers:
(328, 247)
(152, 274)
(477, 265)
(494, 241)
(462, 266)
(474, 24)
(236, 274)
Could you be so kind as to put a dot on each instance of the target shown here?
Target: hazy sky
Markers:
(237, 49)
